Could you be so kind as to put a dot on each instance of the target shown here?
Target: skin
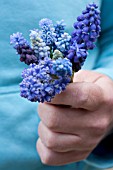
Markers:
(74, 123)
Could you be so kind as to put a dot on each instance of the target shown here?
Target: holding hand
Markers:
(74, 123)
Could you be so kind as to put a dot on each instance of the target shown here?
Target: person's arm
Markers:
(102, 156)
(104, 62)
(70, 134)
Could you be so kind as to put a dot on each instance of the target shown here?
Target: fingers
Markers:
(61, 119)
(77, 122)
(66, 120)
(50, 157)
(81, 95)
(58, 141)
(61, 142)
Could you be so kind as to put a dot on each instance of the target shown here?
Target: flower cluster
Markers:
(63, 43)
(53, 55)
(39, 46)
(59, 28)
(23, 48)
(87, 30)
(43, 81)
(48, 32)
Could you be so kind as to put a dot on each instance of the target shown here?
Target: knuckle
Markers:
(52, 121)
(83, 98)
(44, 153)
(49, 138)
(101, 127)
(108, 98)
(81, 95)
(48, 115)
(46, 158)
(50, 141)
(109, 101)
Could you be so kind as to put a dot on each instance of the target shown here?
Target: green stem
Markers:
(72, 77)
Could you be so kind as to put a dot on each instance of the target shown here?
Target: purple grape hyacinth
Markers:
(54, 55)
(87, 30)
(23, 48)
(87, 27)
(77, 55)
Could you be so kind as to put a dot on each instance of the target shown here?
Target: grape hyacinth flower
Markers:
(39, 46)
(23, 48)
(87, 27)
(59, 28)
(77, 55)
(17, 40)
(54, 55)
(35, 81)
(48, 31)
(45, 23)
(87, 30)
(63, 43)
(62, 67)
(38, 83)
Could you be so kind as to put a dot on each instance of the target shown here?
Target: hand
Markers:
(74, 123)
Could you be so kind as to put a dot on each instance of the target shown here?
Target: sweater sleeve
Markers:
(104, 62)
(102, 155)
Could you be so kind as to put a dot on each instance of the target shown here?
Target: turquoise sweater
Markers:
(18, 117)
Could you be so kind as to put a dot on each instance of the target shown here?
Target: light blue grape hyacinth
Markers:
(41, 49)
(47, 31)
(63, 43)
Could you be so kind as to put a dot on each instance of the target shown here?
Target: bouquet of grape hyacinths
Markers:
(53, 55)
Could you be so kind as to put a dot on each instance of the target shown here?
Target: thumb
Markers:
(87, 76)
